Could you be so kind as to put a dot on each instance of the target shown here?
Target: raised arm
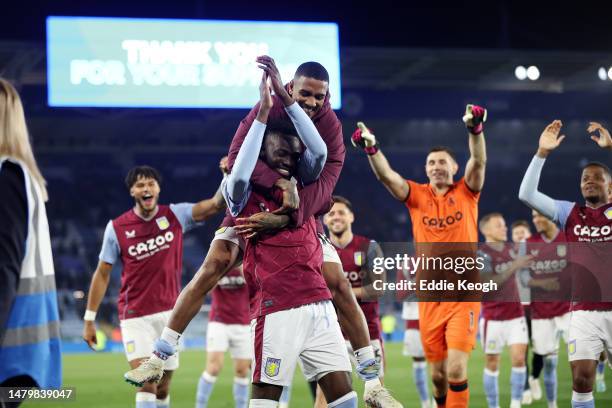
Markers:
(474, 118)
(237, 185)
(528, 192)
(313, 158)
(391, 179)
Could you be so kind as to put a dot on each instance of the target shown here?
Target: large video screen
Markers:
(126, 62)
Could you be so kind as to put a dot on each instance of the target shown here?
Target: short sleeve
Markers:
(184, 213)
(413, 194)
(475, 195)
(110, 245)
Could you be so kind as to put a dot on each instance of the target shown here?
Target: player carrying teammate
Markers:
(550, 301)
(148, 241)
(357, 254)
(228, 328)
(590, 331)
(293, 318)
(503, 319)
(309, 90)
(441, 210)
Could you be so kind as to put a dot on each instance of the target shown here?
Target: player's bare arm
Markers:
(97, 289)
(475, 168)
(391, 179)
(205, 209)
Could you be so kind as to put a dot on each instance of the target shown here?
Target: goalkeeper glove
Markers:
(364, 139)
(474, 117)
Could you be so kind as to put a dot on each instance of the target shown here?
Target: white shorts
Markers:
(309, 334)
(140, 333)
(413, 347)
(495, 334)
(546, 333)
(235, 337)
(329, 251)
(229, 234)
(378, 355)
(590, 333)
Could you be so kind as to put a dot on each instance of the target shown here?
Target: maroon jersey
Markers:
(283, 270)
(230, 300)
(151, 253)
(591, 272)
(354, 260)
(499, 261)
(551, 260)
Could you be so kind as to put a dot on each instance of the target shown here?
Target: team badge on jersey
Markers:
(162, 223)
(358, 258)
(561, 251)
(272, 366)
(608, 213)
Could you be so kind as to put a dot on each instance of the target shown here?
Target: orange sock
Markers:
(458, 395)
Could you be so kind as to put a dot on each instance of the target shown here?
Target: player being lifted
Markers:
(503, 319)
(293, 318)
(309, 91)
(148, 241)
(590, 331)
(228, 328)
(356, 254)
(448, 329)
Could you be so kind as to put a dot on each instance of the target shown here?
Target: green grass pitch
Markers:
(98, 379)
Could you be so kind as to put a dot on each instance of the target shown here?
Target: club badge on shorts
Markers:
(162, 223)
(491, 345)
(272, 366)
(130, 347)
(571, 347)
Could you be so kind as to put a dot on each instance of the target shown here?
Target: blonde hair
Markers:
(14, 139)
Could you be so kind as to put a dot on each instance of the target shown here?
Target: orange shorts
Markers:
(447, 325)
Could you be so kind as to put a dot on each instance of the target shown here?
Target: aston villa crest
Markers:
(162, 223)
(272, 366)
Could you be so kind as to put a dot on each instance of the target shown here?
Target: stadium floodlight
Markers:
(602, 73)
(610, 73)
(520, 72)
(533, 73)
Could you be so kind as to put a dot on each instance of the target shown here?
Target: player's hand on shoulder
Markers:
(550, 139)
(601, 137)
(363, 138)
(89, 334)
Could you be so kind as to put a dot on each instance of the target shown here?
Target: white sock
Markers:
(163, 403)
(582, 396)
(364, 353)
(263, 403)
(170, 336)
(145, 400)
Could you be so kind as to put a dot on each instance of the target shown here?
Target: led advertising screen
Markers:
(127, 62)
